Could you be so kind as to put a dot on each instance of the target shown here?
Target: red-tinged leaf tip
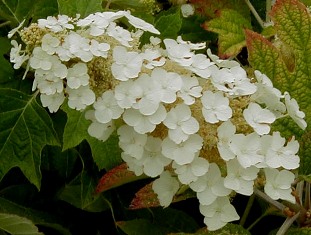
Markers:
(115, 177)
(120, 223)
(145, 198)
(289, 4)
(253, 38)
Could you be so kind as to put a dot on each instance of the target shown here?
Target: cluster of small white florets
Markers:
(190, 118)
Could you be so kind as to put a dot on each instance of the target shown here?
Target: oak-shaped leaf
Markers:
(80, 193)
(17, 10)
(25, 128)
(286, 62)
(229, 25)
(82, 7)
(105, 154)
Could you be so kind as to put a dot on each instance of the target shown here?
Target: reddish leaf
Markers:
(116, 177)
(146, 198)
(210, 8)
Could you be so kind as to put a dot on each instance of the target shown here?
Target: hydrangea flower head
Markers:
(188, 117)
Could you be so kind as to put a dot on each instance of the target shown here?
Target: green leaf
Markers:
(75, 129)
(25, 129)
(17, 10)
(37, 217)
(6, 72)
(174, 220)
(80, 193)
(53, 159)
(305, 151)
(15, 224)
(296, 231)
(286, 63)
(141, 227)
(169, 23)
(164, 221)
(82, 7)
(229, 229)
(105, 154)
(229, 25)
(191, 30)
(306, 178)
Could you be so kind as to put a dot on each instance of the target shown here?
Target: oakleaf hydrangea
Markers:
(187, 117)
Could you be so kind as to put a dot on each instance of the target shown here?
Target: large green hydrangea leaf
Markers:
(6, 68)
(25, 128)
(82, 7)
(16, 10)
(229, 25)
(105, 154)
(287, 61)
(14, 224)
(229, 229)
(163, 222)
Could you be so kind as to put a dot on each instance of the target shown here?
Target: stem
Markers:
(287, 223)
(108, 4)
(268, 199)
(299, 191)
(307, 197)
(26, 71)
(256, 15)
(5, 23)
(268, 9)
(112, 212)
(247, 209)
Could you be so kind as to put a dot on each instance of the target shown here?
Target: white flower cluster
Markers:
(190, 118)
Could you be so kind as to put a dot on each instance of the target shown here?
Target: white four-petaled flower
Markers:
(127, 65)
(259, 118)
(219, 213)
(166, 187)
(278, 184)
(294, 112)
(180, 123)
(210, 186)
(215, 107)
